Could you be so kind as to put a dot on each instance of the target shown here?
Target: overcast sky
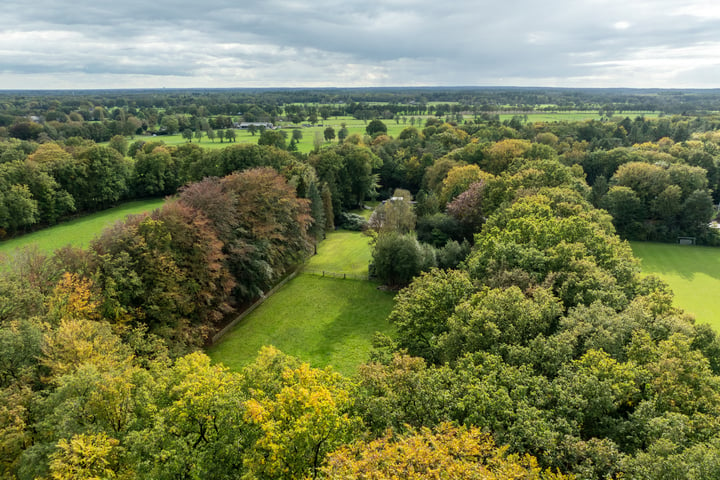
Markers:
(59, 44)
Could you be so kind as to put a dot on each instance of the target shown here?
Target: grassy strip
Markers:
(80, 231)
(322, 321)
(572, 116)
(693, 273)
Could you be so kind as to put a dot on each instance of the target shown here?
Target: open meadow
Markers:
(693, 273)
(305, 145)
(309, 134)
(80, 231)
(342, 252)
(319, 319)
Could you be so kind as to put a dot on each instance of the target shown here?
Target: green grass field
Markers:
(573, 116)
(693, 273)
(78, 232)
(323, 321)
(307, 143)
(342, 252)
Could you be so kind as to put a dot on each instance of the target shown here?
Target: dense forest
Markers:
(527, 344)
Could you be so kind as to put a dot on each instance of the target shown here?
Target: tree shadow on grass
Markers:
(708, 263)
(345, 341)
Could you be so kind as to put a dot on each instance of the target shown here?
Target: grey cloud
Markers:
(328, 42)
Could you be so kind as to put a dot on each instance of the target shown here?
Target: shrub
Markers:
(352, 221)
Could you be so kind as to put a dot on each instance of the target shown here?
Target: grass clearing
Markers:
(342, 251)
(323, 321)
(693, 273)
(80, 231)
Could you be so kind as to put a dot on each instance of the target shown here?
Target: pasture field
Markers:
(80, 231)
(693, 273)
(573, 116)
(321, 320)
(306, 144)
(241, 136)
(553, 116)
(342, 252)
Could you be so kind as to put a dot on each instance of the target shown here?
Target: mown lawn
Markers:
(323, 321)
(80, 231)
(693, 273)
(342, 251)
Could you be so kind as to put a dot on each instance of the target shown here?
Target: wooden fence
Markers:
(325, 273)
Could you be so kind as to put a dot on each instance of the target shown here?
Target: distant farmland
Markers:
(692, 272)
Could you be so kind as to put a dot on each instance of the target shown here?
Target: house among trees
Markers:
(247, 125)
(398, 199)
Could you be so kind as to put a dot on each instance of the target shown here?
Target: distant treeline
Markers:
(670, 193)
(60, 114)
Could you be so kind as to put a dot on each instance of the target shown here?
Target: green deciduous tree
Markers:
(170, 124)
(329, 134)
(375, 127)
(494, 317)
(274, 138)
(119, 143)
(103, 178)
(423, 308)
(17, 208)
(540, 241)
(645, 179)
(398, 258)
(348, 172)
(626, 209)
(155, 173)
(697, 211)
(343, 133)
